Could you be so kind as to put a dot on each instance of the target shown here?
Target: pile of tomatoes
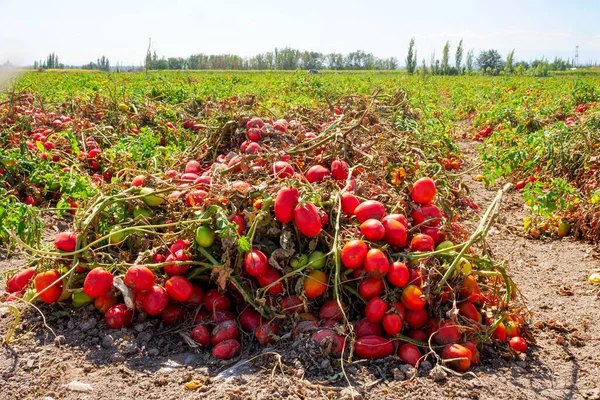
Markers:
(316, 251)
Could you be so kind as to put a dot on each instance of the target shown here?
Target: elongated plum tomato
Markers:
(269, 277)
(398, 217)
(179, 288)
(216, 301)
(369, 209)
(249, 320)
(375, 309)
(448, 332)
(329, 341)
(282, 169)
(429, 214)
(285, 204)
(317, 173)
(227, 349)
(398, 274)
(201, 335)
(118, 316)
(371, 287)
(376, 263)
(224, 331)
(264, 332)
(372, 229)
(291, 305)
(373, 347)
(395, 233)
(20, 280)
(392, 323)
(411, 298)
(349, 203)
(47, 290)
(256, 263)
(364, 327)
(139, 278)
(240, 222)
(308, 219)
(409, 353)
(416, 319)
(475, 356)
(65, 241)
(460, 353)
(193, 167)
(339, 169)
(155, 300)
(97, 282)
(422, 242)
(423, 191)
(104, 303)
(353, 253)
(315, 284)
(468, 310)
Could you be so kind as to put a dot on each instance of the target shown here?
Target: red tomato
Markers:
(66, 241)
(197, 295)
(422, 242)
(369, 209)
(227, 349)
(317, 173)
(282, 170)
(201, 335)
(518, 344)
(395, 233)
(47, 287)
(353, 254)
(372, 229)
(97, 282)
(461, 353)
(398, 217)
(104, 303)
(240, 222)
(216, 301)
(285, 204)
(172, 314)
(376, 263)
(448, 332)
(417, 335)
(392, 323)
(118, 316)
(411, 298)
(291, 305)
(224, 331)
(179, 288)
(349, 203)
(416, 319)
(139, 278)
(155, 300)
(331, 311)
(269, 277)
(308, 219)
(475, 357)
(264, 332)
(373, 347)
(468, 310)
(398, 274)
(256, 263)
(423, 191)
(376, 309)
(249, 320)
(339, 169)
(20, 280)
(409, 353)
(371, 288)
(429, 214)
(332, 342)
(364, 327)
(437, 236)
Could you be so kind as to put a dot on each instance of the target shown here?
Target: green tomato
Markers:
(151, 199)
(123, 107)
(299, 261)
(205, 236)
(117, 237)
(317, 259)
(141, 213)
(80, 299)
(444, 245)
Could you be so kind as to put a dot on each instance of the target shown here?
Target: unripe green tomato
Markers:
(205, 236)
(317, 259)
(117, 237)
(299, 261)
(141, 213)
(151, 199)
(80, 299)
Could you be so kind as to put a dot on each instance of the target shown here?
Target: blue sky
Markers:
(81, 31)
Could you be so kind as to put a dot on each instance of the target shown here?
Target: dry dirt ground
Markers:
(148, 361)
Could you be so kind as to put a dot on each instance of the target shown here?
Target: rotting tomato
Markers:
(227, 349)
(291, 304)
(448, 332)
(201, 335)
(224, 331)
(331, 342)
(172, 314)
(265, 332)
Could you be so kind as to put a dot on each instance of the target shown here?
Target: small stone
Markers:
(107, 341)
(139, 327)
(438, 374)
(408, 370)
(398, 375)
(144, 337)
(60, 339)
(426, 365)
(350, 393)
(153, 352)
(118, 357)
(325, 364)
(89, 324)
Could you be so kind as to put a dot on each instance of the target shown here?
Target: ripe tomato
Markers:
(349, 203)
(103, 303)
(282, 170)
(329, 341)
(372, 229)
(364, 327)
(270, 276)
(437, 236)
(331, 311)
(227, 349)
(448, 332)
(369, 209)
(285, 204)
(398, 274)
(376, 263)
(416, 319)
(373, 347)
(392, 323)
(395, 233)
(264, 332)
(308, 219)
(409, 353)
(317, 173)
(339, 169)
(66, 241)
(201, 335)
(240, 222)
(475, 357)
(177, 269)
(256, 263)
(139, 278)
(468, 310)
(224, 331)
(197, 295)
(353, 254)
(118, 316)
(20, 280)
(376, 309)
(371, 287)
(417, 335)
(155, 300)
(422, 242)
(179, 288)
(172, 314)
(411, 298)
(518, 344)
(97, 282)
(461, 353)
(499, 332)
(423, 191)
(47, 287)
(216, 301)
(249, 320)
(291, 305)
(398, 217)
(429, 214)
(315, 284)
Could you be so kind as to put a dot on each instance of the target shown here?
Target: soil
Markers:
(150, 361)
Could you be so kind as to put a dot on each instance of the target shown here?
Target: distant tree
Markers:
(508, 68)
(445, 59)
(469, 62)
(36, 65)
(424, 67)
(490, 61)
(459, 55)
(411, 57)
(432, 63)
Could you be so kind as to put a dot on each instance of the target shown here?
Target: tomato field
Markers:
(242, 213)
